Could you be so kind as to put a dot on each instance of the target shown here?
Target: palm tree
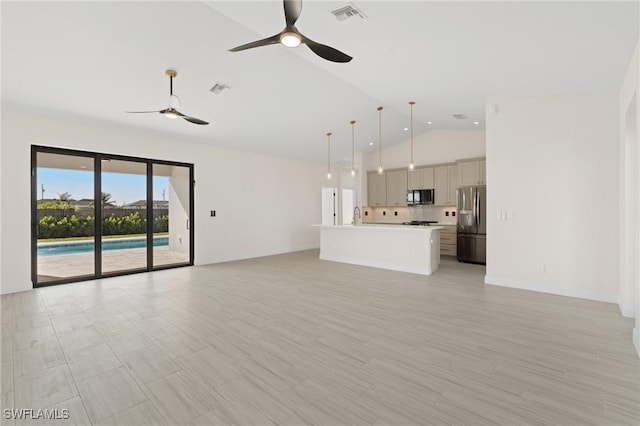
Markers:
(106, 199)
(64, 198)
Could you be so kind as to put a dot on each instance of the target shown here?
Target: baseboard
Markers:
(550, 289)
(9, 290)
(627, 310)
(261, 253)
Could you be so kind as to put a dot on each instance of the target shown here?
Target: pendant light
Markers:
(329, 155)
(411, 165)
(353, 149)
(380, 169)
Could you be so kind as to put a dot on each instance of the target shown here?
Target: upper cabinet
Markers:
(376, 189)
(390, 188)
(397, 188)
(446, 183)
(471, 172)
(453, 184)
(387, 189)
(421, 178)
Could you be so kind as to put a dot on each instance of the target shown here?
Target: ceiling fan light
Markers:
(170, 114)
(290, 39)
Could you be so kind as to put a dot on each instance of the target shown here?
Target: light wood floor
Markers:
(293, 340)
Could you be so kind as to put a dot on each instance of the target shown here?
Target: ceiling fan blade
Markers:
(195, 120)
(292, 9)
(140, 112)
(326, 52)
(264, 42)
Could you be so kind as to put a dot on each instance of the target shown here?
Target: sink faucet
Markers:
(357, 209)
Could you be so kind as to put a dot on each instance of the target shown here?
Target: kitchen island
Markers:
(413, 249)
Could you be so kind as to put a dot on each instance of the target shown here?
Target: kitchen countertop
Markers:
(378, 225)
(397, 223)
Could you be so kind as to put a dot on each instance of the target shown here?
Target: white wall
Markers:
(552, 164)
(265, 205)
(436, 146)
(629, 211)
(179, 210)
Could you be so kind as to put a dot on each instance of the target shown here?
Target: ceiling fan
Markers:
(174, 103)
(291, 37)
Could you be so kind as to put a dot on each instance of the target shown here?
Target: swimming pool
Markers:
(56, 249)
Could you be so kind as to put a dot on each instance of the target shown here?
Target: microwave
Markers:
(417, 197)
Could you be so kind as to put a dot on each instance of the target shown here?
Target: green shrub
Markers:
(71, 226)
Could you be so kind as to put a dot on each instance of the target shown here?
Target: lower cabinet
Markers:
(448, 241)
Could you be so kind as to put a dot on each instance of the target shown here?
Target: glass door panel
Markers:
(171, 215)
(64, 217)
(124, 215)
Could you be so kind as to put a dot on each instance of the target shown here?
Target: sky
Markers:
(79, 183)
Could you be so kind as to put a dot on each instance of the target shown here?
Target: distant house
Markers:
(142, 204)
(84, 203)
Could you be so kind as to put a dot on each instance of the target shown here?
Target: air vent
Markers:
(459, 116)
(219, 87)
(348, 11)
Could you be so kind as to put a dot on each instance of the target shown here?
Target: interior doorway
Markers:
(328, 206)
(630, 229)
(348, 206)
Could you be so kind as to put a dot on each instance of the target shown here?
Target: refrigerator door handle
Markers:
(475, 210)
(478, 218)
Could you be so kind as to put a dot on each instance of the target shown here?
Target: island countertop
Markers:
(404, 248)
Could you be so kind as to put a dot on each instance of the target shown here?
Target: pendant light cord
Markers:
(411, 103)
(380, 135)
(329, 153)
(353, 146)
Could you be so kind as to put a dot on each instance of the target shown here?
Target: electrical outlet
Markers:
(453, 214)
(384, 213)
(395, 213)
(213, 213)
(446, 213)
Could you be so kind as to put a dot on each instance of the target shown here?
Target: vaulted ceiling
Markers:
(94, 60)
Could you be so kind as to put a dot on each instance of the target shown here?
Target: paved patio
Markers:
(52, 268)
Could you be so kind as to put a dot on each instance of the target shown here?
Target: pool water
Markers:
(55, 249)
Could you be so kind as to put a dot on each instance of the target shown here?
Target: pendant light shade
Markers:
(380, 169)
(411, 165)
(329, 155)
(353, 149)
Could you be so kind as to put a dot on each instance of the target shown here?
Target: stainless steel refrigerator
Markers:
(472, 224)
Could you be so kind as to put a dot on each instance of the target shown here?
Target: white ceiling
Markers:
(95, 60)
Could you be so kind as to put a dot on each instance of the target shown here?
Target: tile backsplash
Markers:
(407, 214)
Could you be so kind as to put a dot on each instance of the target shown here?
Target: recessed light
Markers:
(405, 129)
(370, 143)
(429, 122)
(476, 122)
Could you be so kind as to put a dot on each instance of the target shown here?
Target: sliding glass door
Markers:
(96, 215)
(123, 201)
(171, 214)
(64, 213)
